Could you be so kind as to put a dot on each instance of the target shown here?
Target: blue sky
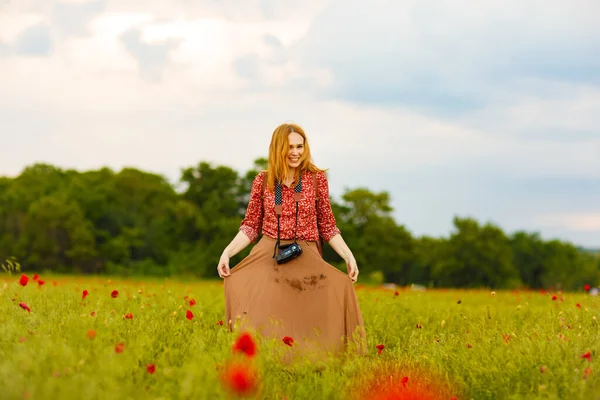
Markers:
(482, 109)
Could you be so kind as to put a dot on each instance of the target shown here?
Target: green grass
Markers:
(447, 343)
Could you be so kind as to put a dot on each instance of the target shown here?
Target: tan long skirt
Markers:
(306, 299)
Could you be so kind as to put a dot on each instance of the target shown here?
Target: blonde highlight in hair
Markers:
(278, 152)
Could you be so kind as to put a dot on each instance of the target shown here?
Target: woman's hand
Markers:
(352, 269)
(223, 267)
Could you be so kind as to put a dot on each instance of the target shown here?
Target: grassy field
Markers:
(143, 343)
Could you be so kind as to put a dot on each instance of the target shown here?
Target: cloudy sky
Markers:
(489, 109)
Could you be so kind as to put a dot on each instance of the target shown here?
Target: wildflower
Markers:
(220, 322)
(84, 294)
(587, 356)
(192, 302)
(379, 348)
(587, 372)
(114, 294)
(151, 368)
(578, 305)
(91, 334)
(129, 315)
(93, 313)
(245, 344)
(239, 379)
(189, 315)
(543, 369)
(404, 381)
(24, 306)
(120, 347)
(40, 282)
(554, 297)
(419, 326)
(586, 287)
(396, 293)
(24, 279)
(35, 277)
(288, 340)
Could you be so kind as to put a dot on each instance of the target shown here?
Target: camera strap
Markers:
(279, 208)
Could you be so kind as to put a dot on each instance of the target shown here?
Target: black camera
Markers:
(288, 252)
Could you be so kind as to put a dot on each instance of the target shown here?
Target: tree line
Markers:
(133, 222)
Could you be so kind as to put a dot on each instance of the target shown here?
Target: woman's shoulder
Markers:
(260, 176)
(320, 174)
(259, 179)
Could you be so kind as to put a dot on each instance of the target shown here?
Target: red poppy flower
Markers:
(404, 380)
(129, 315)
(91, 334)
(586, 287)
(84, 294)
(24, 279)
(245, 344)
(93, 313)
(189, 315)
(40, 282)
(587, 356)
(578, 305)
(419, 326)
(239, 379)
(192, 302)
(35, 277)
(396, 293)
(587, 372)
(288, 340)
(554, 297)
(24, 306)
(120, 347)
(379, 348)
(220, 322)
(114, 294)
(151, 368)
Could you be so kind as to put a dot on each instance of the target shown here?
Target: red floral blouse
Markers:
(307, 215)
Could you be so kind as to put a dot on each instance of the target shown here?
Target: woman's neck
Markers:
(291, 174)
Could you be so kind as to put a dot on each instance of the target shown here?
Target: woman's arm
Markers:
(239, 243)
(249, 228)
(328, 229)
(339, 245)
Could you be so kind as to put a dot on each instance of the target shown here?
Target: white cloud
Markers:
(581, 222)
(13, 23)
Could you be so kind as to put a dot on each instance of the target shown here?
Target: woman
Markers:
(305, 299)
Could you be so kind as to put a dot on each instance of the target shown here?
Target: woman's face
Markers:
(295, 149)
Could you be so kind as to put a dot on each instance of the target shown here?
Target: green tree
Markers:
(56, 236)
(529, 257)
(477, 256)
